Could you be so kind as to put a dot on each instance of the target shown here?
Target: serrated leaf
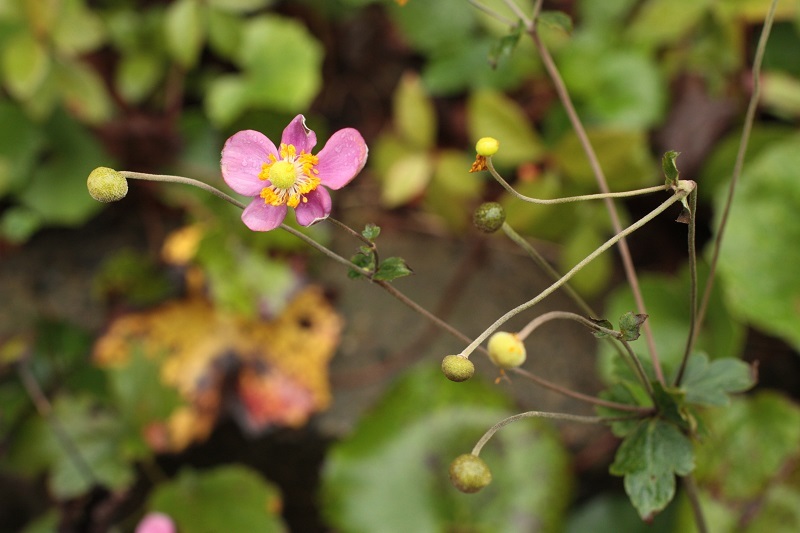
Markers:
(627, 393)
(670, 170)
(710, 383)
(669, 403)
(202, 501)
(390, 474)
(413, 113)
(555, 19)
(371, 231)
(184, 28)
(603, 323)
(392, 268)
(629, 325)
(649, 458)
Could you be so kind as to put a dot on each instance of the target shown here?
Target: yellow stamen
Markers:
(291, 177)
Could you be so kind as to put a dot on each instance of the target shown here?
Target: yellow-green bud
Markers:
(107, 185)
(457, 368)
(469, 473)
(487, 146)
(506, 350)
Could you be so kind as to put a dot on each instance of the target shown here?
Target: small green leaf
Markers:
(204, 501)
(603, 323)
(371, 231)
(669, 403)
(629, 325)
(185, 31)
(25, 64)
(710, 383)
(505, 46)
(670, 170)
(649, 458)
(365, 261)
(392, 268)
(556, 19)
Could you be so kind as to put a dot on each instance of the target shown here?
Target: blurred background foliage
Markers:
(154, 85)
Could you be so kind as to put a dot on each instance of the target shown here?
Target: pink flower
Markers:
(290, 175)
(156, 523)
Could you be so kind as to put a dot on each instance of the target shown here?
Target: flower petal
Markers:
(298, 134)
(343, 157)
(242, 157)
(317, 208)
(261, 216)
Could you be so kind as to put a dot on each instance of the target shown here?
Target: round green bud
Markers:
(506, 350)
(469, 473)
(489, 217)
(457, 368)
(487, 146)
(107, 185)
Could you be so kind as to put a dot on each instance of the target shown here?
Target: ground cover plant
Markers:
(278, 151)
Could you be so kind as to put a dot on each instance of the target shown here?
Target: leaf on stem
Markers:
(629, 325)
(555, 19)
(710, 382)
(649, 458)
(504, 46)
(392, 268)
(371, 231)
(603, 323)
(670, 170)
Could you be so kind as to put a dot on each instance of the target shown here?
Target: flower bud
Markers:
(457, 368)
(107, 185)
(487, 146)
(469, 473)
(489, 217)
(506, 350)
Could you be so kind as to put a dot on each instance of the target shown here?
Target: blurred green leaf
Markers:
(137, 75)
(83, 91)
(555, 19)
(132, 276)
(749, 443)
(435, 26)
(25, 64)
(78, 30)
(224, 32)
(607, 513)
(757, 258)
(781, 94)
(406, 179)
(391, 473)
(19, 223)
(226, 99)
(492, 114)
(184, 27)
(624, 157)
(649, 458)
(220, 500)
(413, 113)
(20, 142)
(662, 22)
(505, 46)
(453, 190)
(584, 239)
(710, 383)
(240, 6)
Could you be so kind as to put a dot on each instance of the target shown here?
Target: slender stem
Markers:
(578, 395)
(186, 181)
(518, 12)
(564, 315)
(624, 251)
(476, 450)
(330, 253)
(372, 246)
(45, 410)
(739, 165)
(681, 193)
(690, 339)
(694, 500)
(491, 12)
(569, 199)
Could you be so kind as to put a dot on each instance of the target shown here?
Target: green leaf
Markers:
(492, 114)
(392, 268)
(414, 115)
(226, 99)
(225, 32)
(391, 473)
(220, 500)
(555, 19)
(603, 323)
(663, 22)
(25, 65)
(240, 6)
(78, 30)
(184, 27)
(282, 63)
(669, 402)
(137, 75)
(365, 260)
(20, 143)
(505, 46)
(757, 258)
(649, 458)
(670, 170)
(371, 231)
(627, 393)
(453, 190)
(83, 91)
(584, 239)
(406, 179)
(710, 383)
(629, 325)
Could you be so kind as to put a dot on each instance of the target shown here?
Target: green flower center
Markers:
(282, 174)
